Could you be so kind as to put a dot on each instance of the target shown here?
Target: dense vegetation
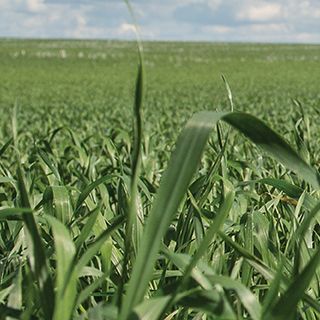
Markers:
(100, 220)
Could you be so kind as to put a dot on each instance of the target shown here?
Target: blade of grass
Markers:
(273, 292)
(287, 304)
(36, 256)
(265, 271)
(85, 232)
(13, 213)
(87, 190)
(96, 245)
(56, 201)
(131, 222)
(65, 285)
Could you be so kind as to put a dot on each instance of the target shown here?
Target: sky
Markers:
(186, 20)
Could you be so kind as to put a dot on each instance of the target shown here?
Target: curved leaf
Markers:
(177, 177)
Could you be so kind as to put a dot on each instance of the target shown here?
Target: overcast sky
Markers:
(210, 20)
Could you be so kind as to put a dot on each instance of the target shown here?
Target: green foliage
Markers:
(100, 220)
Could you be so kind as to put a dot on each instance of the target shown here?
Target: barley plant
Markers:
(110, 214)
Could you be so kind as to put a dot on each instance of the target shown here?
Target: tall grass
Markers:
(95, 237)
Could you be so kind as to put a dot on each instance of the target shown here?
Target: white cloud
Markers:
(217, 29)
(35, 5)
(269, 28)
(307, 37)
(261, 12)
(214, 4)
(27, 5)
(126, 28)
(81, 20)
(7, 5)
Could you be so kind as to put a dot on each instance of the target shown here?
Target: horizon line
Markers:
(17, 38)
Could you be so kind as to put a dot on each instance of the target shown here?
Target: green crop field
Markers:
(185, 187)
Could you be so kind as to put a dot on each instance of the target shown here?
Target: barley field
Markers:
(184, 185)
